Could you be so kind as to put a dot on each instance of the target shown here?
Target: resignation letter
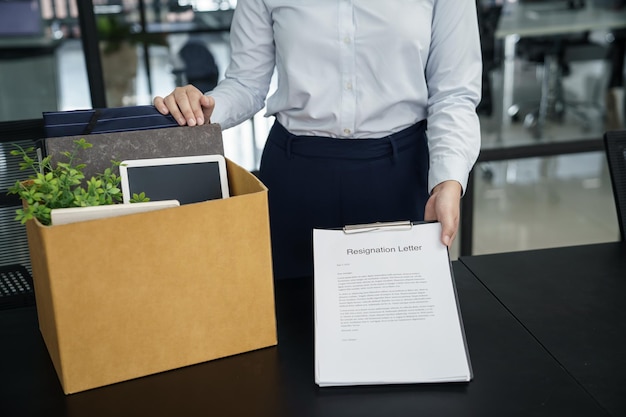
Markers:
(386, 309)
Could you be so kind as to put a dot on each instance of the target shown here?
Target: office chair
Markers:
(615, 146)
(555, 53)
(199, 66)
(615, 114)
(16, 284)
(488, 17)
(16, 287)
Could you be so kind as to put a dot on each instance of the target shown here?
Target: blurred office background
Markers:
(553, 84)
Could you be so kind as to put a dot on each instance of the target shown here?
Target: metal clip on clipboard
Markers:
(370, 227)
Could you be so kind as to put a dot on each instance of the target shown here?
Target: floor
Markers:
(520, 204)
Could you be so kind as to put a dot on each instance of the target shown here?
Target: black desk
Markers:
(572, 300)
(513, 374)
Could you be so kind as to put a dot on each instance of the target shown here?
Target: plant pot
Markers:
(119, 69)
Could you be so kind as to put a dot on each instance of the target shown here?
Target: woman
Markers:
(357, 83)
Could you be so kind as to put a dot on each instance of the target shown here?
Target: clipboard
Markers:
(372, 227)
(386, 307)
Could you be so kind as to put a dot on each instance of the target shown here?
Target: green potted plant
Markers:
(64, 185)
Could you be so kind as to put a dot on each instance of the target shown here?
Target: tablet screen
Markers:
(186, 179)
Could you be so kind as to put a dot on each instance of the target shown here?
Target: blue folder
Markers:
(106, 120)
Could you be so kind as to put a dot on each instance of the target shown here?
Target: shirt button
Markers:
(347, 40)
(347, 131)
(348, 86)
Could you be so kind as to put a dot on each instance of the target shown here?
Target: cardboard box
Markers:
(124, 297)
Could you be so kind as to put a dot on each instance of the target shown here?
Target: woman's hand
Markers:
(444, 205)
(187, 105)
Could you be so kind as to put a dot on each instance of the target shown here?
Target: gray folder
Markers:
(140, 144)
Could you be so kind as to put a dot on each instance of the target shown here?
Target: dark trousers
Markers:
(319, 182)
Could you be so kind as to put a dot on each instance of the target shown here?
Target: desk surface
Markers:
(513, 374)
(572, 300)
(525, 21)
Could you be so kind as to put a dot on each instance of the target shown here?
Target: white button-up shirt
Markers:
(360, 69)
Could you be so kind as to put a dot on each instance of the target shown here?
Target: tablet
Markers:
(188, 179)
(79, 214)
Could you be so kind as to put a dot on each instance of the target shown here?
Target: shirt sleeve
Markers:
(242, 93)
(454, 76)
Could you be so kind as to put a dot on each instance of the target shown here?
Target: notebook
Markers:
(105, 120)
(138, 144)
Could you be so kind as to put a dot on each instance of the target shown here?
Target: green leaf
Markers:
(64, 184)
